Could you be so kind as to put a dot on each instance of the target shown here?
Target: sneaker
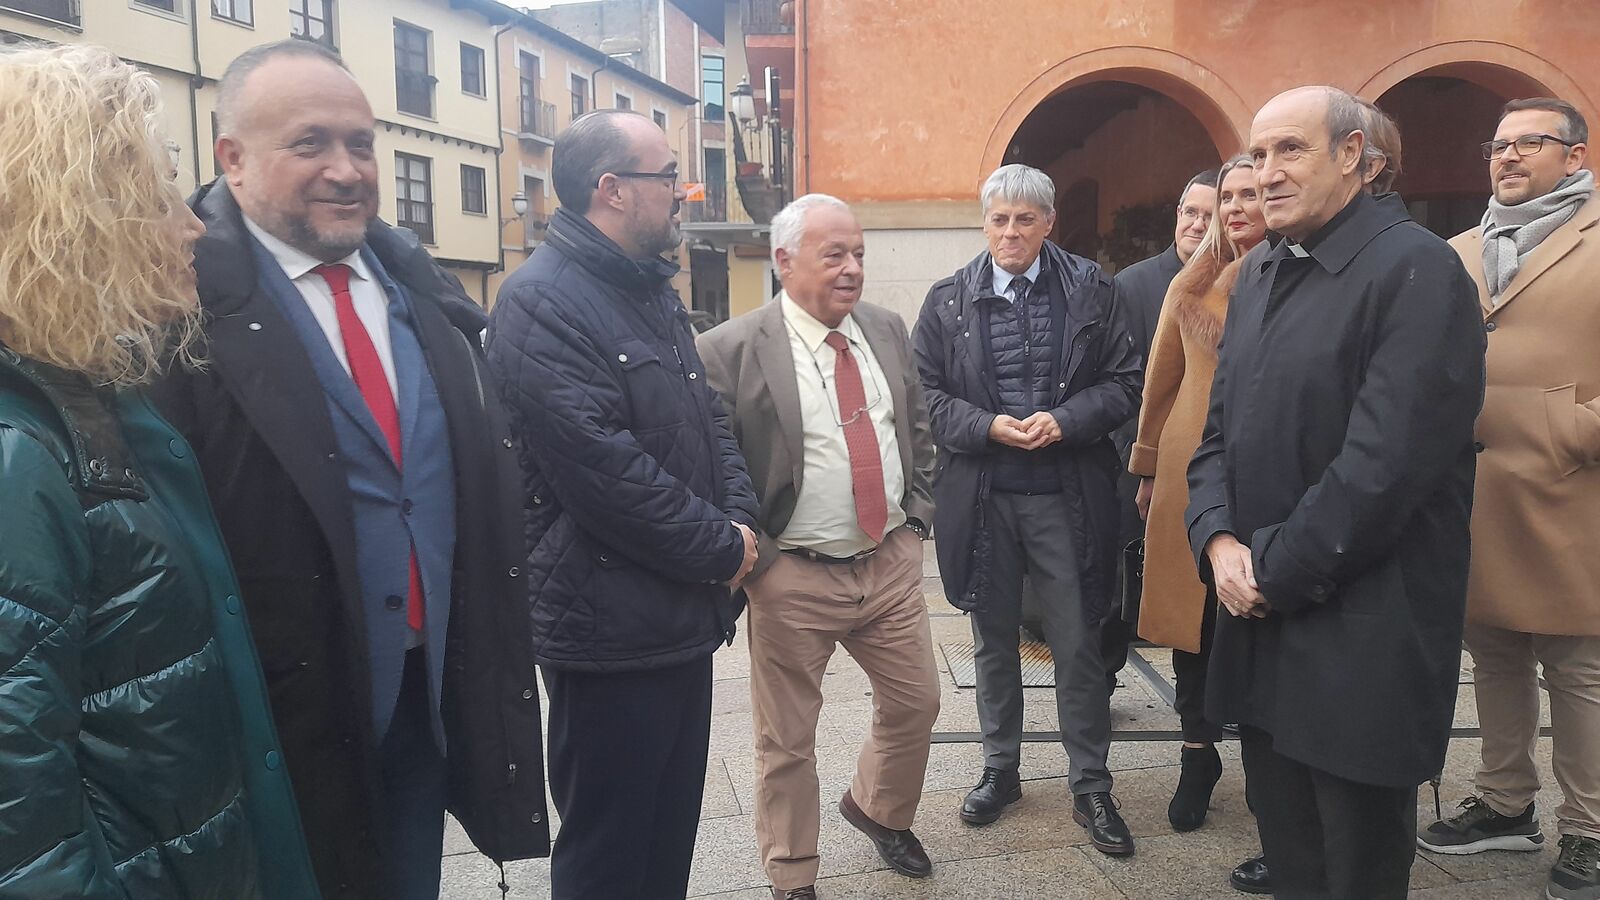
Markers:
(1576, 874)
(1478, 828)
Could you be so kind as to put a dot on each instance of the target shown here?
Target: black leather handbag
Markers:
(1132, 579)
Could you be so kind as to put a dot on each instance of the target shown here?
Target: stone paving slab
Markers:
(1035, 851)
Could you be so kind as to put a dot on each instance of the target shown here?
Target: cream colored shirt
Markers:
(366, 295)
(824, 517)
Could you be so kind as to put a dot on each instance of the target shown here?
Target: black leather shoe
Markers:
(1251, 876)
(1097, 812)
(997, 789)
(809, 892)
(900, 849)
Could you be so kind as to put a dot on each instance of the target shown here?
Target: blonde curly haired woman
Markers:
(137, 754)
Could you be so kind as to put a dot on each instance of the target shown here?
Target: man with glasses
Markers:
(826, 404)
(1141, 288)
(639, 511)
(1028, 368)
(1534, 589)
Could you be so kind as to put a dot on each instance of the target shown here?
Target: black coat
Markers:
(260, 426)
(1094, 386)
(1339, 449)
(1141, 290)
(633, 475)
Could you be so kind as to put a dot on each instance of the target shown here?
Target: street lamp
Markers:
(743, 103)
(519, 205)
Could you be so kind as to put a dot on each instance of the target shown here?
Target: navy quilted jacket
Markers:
(632, 473)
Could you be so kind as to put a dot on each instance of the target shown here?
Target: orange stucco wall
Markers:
(916, 100)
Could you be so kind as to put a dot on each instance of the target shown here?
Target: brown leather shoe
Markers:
(809, 892)
(900, 849)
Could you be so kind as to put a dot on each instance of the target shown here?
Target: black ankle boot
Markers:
(1202, 769)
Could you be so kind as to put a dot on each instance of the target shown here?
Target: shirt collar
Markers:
(297, 263)
(812, 332)
(1002, 278)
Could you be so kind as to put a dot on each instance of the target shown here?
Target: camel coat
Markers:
(1536, 515)
(1177, 395)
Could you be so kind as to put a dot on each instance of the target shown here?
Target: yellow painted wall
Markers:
(153, 40)
(747, 284)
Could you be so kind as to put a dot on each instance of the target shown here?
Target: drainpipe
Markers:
(802, 90)
(661, 36)
(499, 187)
(195, 82)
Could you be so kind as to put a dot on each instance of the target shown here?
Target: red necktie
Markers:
(366, 369)
(866, 466)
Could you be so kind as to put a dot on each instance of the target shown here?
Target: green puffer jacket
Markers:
(137, 753)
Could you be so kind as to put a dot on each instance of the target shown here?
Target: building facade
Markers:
(904, 107)
(426, 67)
(547, 79)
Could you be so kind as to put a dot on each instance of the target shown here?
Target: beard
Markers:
(655, 237)
(326, 244)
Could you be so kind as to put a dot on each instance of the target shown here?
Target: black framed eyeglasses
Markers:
(1527, 145)
(670, 179)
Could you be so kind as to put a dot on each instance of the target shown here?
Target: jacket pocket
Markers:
(1561, 416)
(653, 389)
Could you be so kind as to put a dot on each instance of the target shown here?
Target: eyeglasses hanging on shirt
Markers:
(874, 391)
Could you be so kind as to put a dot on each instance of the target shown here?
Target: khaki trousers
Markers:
(799, 611)
(1507, 689)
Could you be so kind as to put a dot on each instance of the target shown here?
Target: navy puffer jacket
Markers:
(633, 476)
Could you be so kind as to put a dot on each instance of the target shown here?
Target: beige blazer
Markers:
(749, 362)
(1536, 513)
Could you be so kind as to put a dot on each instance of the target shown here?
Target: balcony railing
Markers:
(714, 208)
(63, 11)
(765, 17)
(538, 118)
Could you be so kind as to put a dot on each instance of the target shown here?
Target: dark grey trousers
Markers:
(1032, 537)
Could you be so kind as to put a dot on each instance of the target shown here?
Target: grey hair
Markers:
(243, 65)
(789, 225)
(1018, 183)
(1347, 114)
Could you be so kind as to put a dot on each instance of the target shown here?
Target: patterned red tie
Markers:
(366, 369)
(866, 465)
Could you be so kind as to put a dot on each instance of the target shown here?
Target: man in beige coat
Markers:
(1534, 595)
(825, 401)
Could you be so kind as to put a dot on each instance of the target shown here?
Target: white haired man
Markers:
(1028, 368)
(823, 397)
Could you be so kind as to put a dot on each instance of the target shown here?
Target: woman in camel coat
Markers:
(1183, 357)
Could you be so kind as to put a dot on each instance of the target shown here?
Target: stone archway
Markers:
(1133, 122)
(1445, 109)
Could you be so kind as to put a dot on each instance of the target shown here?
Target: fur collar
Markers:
(1200, 300)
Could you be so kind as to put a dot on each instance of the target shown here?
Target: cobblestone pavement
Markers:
(1034, 850)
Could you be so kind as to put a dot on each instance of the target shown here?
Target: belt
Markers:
(814, 556)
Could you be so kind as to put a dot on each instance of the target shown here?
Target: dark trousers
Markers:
(1034, 538)
(415, 788)
(1189, 671)
(627, 771)
(1328, 838)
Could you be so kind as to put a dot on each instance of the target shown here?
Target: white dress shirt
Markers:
(824, 517)
(366, 295)
(1002, 278)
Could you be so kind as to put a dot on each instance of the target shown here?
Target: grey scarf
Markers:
(1511, 232)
